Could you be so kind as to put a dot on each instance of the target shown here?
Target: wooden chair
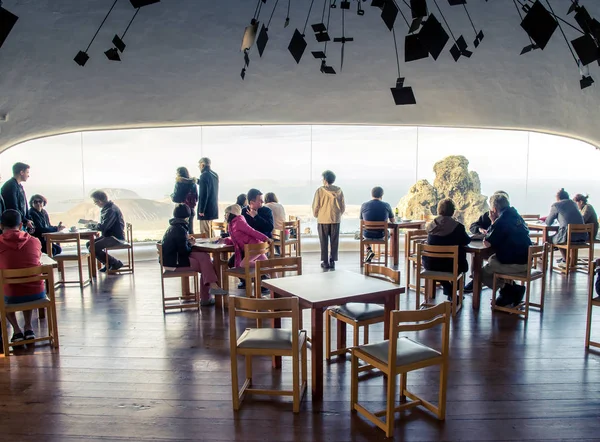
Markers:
(398, 356)
(20, 276)
(126, 245)
(572, 250)
(219, 226)
(247, 271)
(366, 242)
(457, 279)
(275, 268)
(288, 237)
(358, 314)
(536, 237)
(80, 255)
(535, 253)
(187, 299)
(267, 342)
(591, 303)
(410, 252)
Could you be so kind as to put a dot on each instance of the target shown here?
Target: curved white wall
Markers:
(182, 65)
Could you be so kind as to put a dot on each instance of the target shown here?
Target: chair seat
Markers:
(69, 256)
(436, 274)
(236, 270)
(266, 338)
(360, 311)
(178, 274)
(407, 351)
(39, 303)
(578, 245)
(520, 276)
(123, 245)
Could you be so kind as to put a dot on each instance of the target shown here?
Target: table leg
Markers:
(395, 245)
(93, 258)
(317, 353)
(476, 269)
(216, 259)
(389, 305)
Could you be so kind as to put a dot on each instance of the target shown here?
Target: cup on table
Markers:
(73, 229)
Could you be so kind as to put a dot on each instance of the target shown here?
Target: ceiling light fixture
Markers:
(82, 56)
(7, 21)
(119, 45)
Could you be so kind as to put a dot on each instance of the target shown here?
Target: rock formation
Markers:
(452, 180)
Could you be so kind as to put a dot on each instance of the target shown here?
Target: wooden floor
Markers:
(125, 371)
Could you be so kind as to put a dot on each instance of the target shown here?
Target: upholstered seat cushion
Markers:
(266, 338)
(122, 245)
(69, 255)
(407, 351)
(434, 274)
(360, 311)
(237, 270)
(534, 273)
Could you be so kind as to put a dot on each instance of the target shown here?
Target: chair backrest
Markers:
(129, 233)
(261, 309)
(418, 320)
(63, 238)
(535, 253)
(29, 274)
(447, 252)
(531, 217)
(293, 218)
(220, 226)
(411, 240)
(580, 228)
(273, 267)
(252, 250)
(374, 225)
(382, 272)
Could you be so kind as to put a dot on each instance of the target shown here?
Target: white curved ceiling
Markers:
(182, 65)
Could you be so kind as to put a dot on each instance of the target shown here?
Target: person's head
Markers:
(231, 212)
(183, 172)
(328, 177)
(562, 194)
(181, 211)
(204, 162)
(255, 199)
(581, 200)
(377, 192)
(100, 198)
(446, 207)
(20, 171)
(11, 220)
(502, 192)
(241, 200)
(270, 197)
(38, 202)
(498, 202)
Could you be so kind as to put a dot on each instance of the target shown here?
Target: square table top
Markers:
(332, 288)
(45, 260)
(476, 246)
(204, 245)
(67, 231)
(540, 225)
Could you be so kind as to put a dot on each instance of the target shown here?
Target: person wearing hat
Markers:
(19, 250)
(178, 255)
(240, 234)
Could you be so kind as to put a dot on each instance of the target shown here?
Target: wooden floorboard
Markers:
(126, 372)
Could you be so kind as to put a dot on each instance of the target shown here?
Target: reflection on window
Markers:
(137, 167)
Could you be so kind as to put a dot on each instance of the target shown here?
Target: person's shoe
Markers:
(560, 260)
(242, 285)
(208, 303)
(29, 334)
(218, 292)
(17, 337)
(331, 264)
(103, 269)
(519, 293)
(506, 297)
(370, 256)
(117, 266)
(324, 265)
(264, 289)
(469, 287)
(596, 299)
(448, 294)
(503, 301)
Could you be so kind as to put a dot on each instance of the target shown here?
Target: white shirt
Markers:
(278, 215)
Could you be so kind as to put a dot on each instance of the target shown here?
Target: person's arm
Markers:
(362, 209)
(263, 222)
(390, 214)
(552, 216)
(10, 195)
(481, 223)
(203, 192)
(252, 233)
(316, 204)
(342, 203)
(40, 229)
(107, 221)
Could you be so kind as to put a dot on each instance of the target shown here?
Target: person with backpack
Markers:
(186, 192)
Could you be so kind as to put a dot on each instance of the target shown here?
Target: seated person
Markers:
(19, 250)
(241, 200)
(179, 257)
(278, 212)
(375, 210)
(112, 227)
(41, 222)
(259, 217)
(597, 285)
(446, 231)
(509, 237)
(566, 212)
(587, 211)
(240, 234)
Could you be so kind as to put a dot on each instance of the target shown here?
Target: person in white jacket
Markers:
(328, 207)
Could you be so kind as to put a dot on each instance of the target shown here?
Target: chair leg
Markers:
(235, 391)
(366, 334)
(5, 342)
(527, 294)
(296, 380)
(355, 330)
(390, 405)
(248, 369)
(588, 328)
(494, 289)
(80, 268)
(162, 286)
(403, 382)
(353, 382)
(454, 298)
(327, 335)
(362, 254)
(442, 395)
(197, 290)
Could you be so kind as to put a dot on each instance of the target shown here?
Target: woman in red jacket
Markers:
(240, 234)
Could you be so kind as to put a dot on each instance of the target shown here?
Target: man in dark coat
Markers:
(208, 196)
(14, 194)
(258, 216)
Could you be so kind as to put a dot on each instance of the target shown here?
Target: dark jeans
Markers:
(329, 235)
(56, 249)
(100, 244)
(191, 221)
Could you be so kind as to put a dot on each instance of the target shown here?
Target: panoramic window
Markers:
(137, 167)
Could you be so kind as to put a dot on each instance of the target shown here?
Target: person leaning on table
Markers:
(41, 222)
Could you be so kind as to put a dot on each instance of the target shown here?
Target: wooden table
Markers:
(318, 291)
(480, 252)
(85, 234)
(542, 227)
(216, 251)
(395, 236)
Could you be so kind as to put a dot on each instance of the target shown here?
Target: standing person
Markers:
(375, 210)
(186, 192)
(41, 222)
(14, 194)
(566, 212)
(328, 207)
(258, 216)
(112, 227)
(19, 250)
(208, 196)
(587, 211)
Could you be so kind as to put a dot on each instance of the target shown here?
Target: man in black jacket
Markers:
(14, 194)
(258, 216)
(208, 196)
(112, 227)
